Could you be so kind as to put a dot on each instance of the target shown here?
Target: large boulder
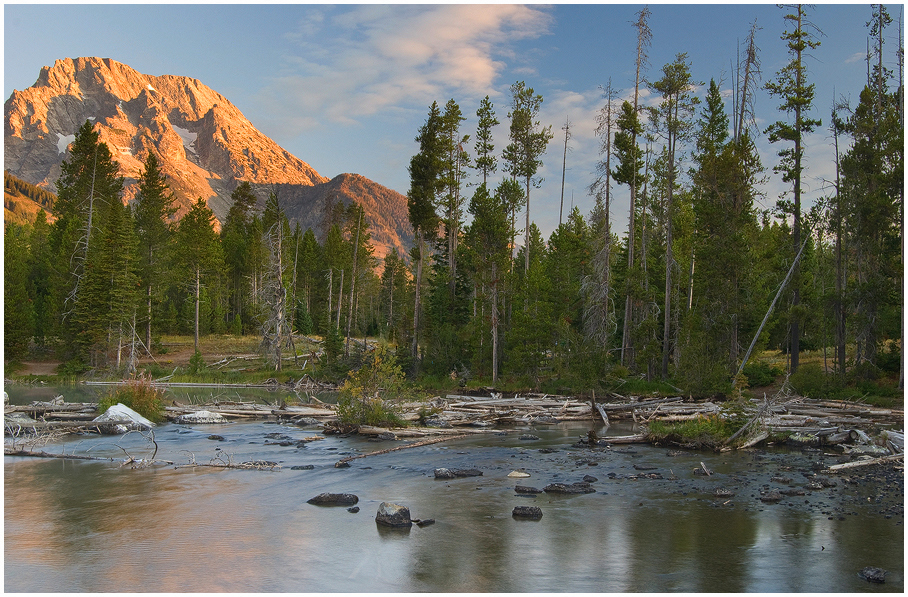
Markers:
(334, 499)
(120, 413)
(393, 515)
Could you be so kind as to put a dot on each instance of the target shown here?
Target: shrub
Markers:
(139, 395)
(761, 374)
(365, 396)
(196, 363)
(701, 433)
(810, 381)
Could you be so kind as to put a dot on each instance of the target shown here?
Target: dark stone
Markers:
(771, 497)
(453, 473)
(525, 489)
(528, 436)
(641, 467)
(341, 464)
(546, 450)
(527, 512)
(302, 467)
(425, 522)
(782, 480)
(353, 510)
(218, 438)
(277, 436)
(793, 491)
(872, 574)
(393, 515)
(334, 499)
(572, 488)
(589, 479)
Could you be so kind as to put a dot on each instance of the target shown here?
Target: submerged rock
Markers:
(871, 574)
(528, 437)
(449, 473)
(393, 515)
(526, 489)
(334, 499)
(771, 497)
(201, 417)
(581, 487)
(527, 512)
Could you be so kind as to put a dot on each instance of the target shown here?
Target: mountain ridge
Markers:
(204, 144)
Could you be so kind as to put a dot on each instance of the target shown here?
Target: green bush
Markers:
(811, 381)
(701, 433)
(761, 374)
(139, 395)
(196, 364)
(366, 396)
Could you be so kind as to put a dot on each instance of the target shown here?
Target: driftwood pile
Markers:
(810, 422)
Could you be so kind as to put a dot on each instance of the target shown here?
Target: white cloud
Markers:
(379, 57)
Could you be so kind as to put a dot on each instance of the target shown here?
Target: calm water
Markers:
(96, 527)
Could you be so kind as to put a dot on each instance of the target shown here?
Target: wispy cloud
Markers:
(361, 61)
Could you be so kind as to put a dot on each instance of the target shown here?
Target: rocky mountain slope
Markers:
(203, 142)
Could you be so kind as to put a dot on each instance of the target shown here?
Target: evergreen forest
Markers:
(699, 284)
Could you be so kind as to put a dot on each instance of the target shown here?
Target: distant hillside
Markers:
(204, 144)
(22, 201)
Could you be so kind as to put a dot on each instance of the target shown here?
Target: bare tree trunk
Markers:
(353, 283)
(494, 322)
(419, 263)
(198, 293)
(340, 300)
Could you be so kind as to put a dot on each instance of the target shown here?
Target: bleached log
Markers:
(847, 465)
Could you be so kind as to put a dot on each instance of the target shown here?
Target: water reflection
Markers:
(95, 527)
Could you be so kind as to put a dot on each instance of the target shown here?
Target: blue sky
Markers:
(345, 87)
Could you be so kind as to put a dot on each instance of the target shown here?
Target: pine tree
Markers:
(154, 211)
(528, 142)
(18, 312)
(797, 97)
(673, 119)
(197, 255)
(486, 162)
(487, 240)
(89, 179)
(241, 245)
(425, 169)
(627, 171)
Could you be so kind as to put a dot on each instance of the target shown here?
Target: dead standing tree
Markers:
(276, 330)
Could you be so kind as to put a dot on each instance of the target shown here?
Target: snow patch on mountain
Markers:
(63, 142)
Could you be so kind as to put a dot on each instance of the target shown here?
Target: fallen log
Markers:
(847, 465)
(640, 438)
(343, 461)
(633, 405)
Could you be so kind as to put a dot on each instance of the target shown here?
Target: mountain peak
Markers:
(204, 144)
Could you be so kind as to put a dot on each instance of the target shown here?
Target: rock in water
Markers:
(452, 473)
(581, 487)
(334, 499)
(119, 413)
(877, 575)
(201, 417)
(518, 474)
(527, 512)
(393, 515)
(526, 489)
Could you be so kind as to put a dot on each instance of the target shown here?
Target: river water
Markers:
(96, 526)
